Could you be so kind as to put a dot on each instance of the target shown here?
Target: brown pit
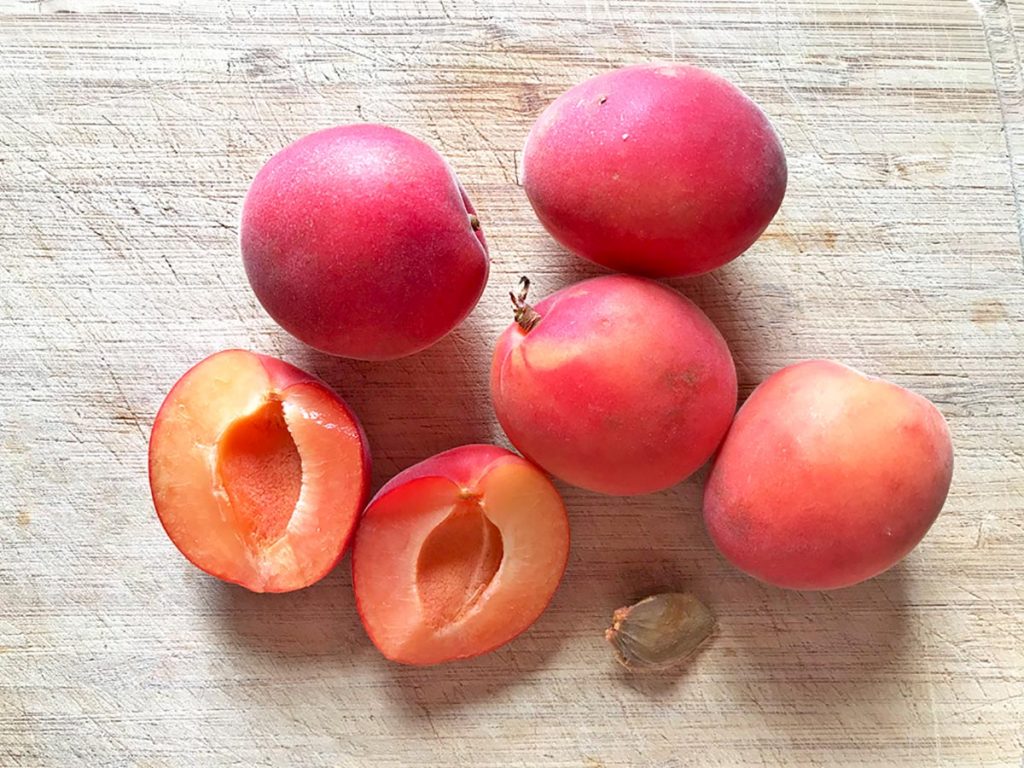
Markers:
(659, 631)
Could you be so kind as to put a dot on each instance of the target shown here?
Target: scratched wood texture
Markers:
(128, 134)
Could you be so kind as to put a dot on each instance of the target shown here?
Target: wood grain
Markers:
(128, 134)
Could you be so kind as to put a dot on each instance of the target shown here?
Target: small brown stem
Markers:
(525, 315)
(474, 222)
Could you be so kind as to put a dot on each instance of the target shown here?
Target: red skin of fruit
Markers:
(187, 457)
(827, 477)
(623, 387)
(358, 241)
(387, 554)
(659, 170)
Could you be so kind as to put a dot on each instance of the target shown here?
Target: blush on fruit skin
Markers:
(659, 170)
(458, 555)
(360, 241)
(623, 386)
(827, 477)
(258, 471)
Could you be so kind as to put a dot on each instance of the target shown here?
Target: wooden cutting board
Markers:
(128, 134)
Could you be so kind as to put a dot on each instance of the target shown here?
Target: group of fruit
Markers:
(360, 241)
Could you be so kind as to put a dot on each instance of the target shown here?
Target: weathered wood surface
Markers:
(128, 133)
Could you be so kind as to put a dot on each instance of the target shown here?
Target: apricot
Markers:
(659, 170)
(616, 384)
(827, 477)
(258, 471)
(458, 555)
(360, 241)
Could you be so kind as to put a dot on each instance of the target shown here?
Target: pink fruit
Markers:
(622, 387)
(360, 241)
(660, 170)
(827, 477)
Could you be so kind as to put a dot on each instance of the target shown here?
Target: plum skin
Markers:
(360, 241)
(658, 170)
(624, 386)
(827, 477)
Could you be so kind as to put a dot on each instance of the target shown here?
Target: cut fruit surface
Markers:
(259, 468)
(258, 471)
(458, 555)
(457, 562)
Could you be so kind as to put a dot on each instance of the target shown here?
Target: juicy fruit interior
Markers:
(261, 472)
(443, 572)
(458, 560)
(256, 482)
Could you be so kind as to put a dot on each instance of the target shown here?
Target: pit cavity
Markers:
(261, 472)
(457, 562)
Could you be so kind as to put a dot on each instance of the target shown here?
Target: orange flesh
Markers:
(456, 563)
(441, 574)
(258, 475)
(260, 469)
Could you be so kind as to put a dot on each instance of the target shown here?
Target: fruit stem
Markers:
(526, 316)
(474, 222)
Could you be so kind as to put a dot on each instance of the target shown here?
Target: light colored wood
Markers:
(128, 134)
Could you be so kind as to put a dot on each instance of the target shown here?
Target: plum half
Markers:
(458, 555)
(258, 471)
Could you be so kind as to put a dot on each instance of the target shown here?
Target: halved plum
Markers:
(258, 471)
(458, 555)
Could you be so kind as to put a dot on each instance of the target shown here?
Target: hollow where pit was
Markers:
(457, 562)
(260, 470)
